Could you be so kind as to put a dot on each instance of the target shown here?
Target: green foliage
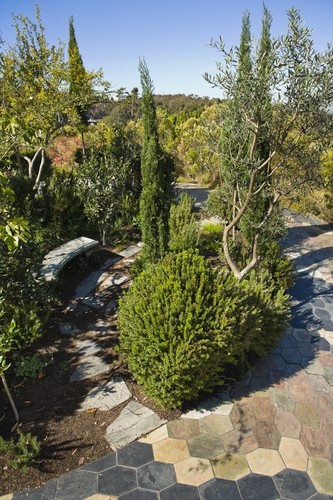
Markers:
(275, 127)
(109, 182)
(182, 322)
(184, 233)
(263, 312)
(13, 228)
(211, 236)
(29, 366)
(280, 269)
(23, 450)
(100, 181)
(169, 329)
(156, 172)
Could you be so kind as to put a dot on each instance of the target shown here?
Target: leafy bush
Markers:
(172, 329)
(29, 366)
(182, 226)
(182, 322)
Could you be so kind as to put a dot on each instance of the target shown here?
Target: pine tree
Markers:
(156, 177)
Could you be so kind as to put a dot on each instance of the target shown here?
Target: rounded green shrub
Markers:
(182, 322)
(175, 331)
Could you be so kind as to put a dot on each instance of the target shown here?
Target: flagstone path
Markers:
(267, 437)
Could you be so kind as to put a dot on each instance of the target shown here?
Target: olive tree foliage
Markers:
(276, 125)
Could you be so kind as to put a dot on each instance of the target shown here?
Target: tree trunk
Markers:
(40, 170)
(11, 400)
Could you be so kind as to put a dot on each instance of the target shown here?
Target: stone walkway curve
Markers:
(269, 437)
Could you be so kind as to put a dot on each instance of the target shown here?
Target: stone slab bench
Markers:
(55, 260)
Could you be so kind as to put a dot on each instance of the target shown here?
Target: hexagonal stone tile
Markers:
(135, 454)
(291, 355)
(77, 484)
(156, 476)
(327, 428)
(230, 466)
(263, 408)
(257, 487)
(205, 446)
(307, 414)
(314, 367)
(139, 494)
(287, 424)
(276, 362)
(219, 488)
(156, 435)
(325, 404)
(301, 392)
(183, 491)
(194, 471)
(239, 442)
(318, 383)
(266, 434)
(282, 400)
(215, 424)
(183, 428)
(171, 450)
(242, 417)
(117, 480)
(267, 462)
(321, 474)
(103, 463)
(314, 442)
(301, 335)
(294, 484)
(293, 453)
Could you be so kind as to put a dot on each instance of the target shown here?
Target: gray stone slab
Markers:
(101, 327)
(95, 301)
(107, 396)
(67, 330)
(88, 367)
(130, 251)
(134, 421)
(110, 307)
(110, 280)
(87, 285)
(87, 347)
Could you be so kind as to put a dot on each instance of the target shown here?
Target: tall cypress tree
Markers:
(80, 87)
(156, 177)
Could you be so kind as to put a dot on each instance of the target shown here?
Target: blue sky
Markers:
(172, 35)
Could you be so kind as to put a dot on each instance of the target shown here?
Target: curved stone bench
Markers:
(55, 260)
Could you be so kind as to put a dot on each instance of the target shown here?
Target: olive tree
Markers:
(276, 124)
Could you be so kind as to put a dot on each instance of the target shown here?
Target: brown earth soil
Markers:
(48, 405)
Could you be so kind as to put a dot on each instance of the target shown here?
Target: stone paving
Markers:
(267, 437)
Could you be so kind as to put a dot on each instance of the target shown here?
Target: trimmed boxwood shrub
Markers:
(182, 322)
